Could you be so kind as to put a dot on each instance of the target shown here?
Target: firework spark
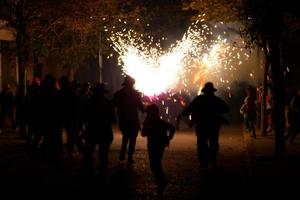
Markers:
(199, 56)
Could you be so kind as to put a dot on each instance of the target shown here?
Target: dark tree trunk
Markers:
(274, 33)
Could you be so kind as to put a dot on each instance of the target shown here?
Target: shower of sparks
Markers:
(200, 56)
(170, 77)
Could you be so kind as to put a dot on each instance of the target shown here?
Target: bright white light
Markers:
(198, 57)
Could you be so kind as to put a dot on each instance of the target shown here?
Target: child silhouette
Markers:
(158, 133)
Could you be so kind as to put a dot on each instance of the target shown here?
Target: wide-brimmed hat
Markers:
(128, 81)
(100, 89)
(208, 88)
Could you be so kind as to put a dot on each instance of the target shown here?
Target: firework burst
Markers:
(200, 55)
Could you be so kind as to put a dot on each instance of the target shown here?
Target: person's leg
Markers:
(155, 157)
(70, 129)
(202, 148)
(103, 153)
(269, 121)
(214, 146)
(124, 147)
(88, 154)
(252, 126)
(246, 120)
(33, 139)
(132, 143)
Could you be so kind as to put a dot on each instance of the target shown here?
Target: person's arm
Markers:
(171, 130)
(140, 104)
(187, 111)
(243, 108)
(224, 107)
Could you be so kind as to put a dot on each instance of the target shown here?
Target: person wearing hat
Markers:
(98, 119)
(207, 114)
(128, 102)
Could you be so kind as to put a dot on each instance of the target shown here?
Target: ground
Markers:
(238, 173)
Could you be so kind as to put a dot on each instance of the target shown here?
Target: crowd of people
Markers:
(87, 115)
(251, 110)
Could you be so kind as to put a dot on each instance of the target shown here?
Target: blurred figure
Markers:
(84, 94)
(7, 106)
(248, 110)
(269, 108)
(20, 103)
(158, 133)
(68, 99)
(294, 128)
(288, 111)
(128, 102)
(207, 113)
(98, 119)
(51, 119)
(33, 117)
(259, 94)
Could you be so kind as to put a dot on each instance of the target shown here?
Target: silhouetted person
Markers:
(294, 128)
(128, 102)
(158, 133)
(50, 114)
(84, 94)
(33, 117)
(244, 108)
(68, 99)
(249, 110)
(7, 105)
(20, 108)
(98, 119)
(206, 110)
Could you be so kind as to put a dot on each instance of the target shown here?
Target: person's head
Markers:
(249, 91)
(152, 111)
(64, 82)
(99, 90)
(85, 88)
(209, 88)
(128, 81)
(49, 82)
(36, 81)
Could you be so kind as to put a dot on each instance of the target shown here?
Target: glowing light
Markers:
(198, 57)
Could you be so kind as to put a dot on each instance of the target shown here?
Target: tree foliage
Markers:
(71, 30)
(253, 16)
